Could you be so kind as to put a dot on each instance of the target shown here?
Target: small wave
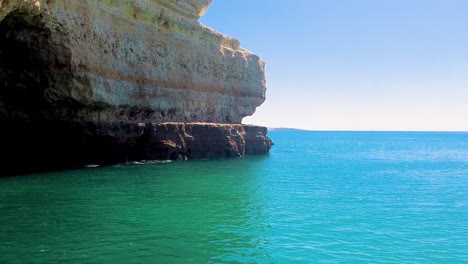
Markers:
(147, 162)
(91, 166)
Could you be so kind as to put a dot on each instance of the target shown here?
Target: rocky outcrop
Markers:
(203, 140)
(138, 61)
(61, 145)
(102, 72)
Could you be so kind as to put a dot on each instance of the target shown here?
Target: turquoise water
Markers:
(319, 197)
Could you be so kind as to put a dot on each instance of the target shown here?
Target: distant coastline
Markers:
(285, 129)
(365, 131)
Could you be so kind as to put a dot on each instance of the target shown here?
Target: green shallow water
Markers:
(326, 197)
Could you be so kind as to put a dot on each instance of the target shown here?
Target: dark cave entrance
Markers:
(32, 62)
(23, 68)
(41, 129)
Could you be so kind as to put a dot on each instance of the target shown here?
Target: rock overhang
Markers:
(81, 81)
(142, 54)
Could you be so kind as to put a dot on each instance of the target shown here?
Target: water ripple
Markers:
(319, 197)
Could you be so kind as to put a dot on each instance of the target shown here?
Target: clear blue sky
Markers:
(355, 64)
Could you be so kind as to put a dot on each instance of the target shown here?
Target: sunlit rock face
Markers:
(139, 61)
(203, 140)
(80, 80)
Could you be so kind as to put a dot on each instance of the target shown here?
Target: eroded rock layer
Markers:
(203, 140)
(65, 145)
(141, 61)
(96, 81)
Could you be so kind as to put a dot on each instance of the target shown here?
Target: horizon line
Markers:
(357, 130)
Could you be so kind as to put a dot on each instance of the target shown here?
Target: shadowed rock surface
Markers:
(81, 81)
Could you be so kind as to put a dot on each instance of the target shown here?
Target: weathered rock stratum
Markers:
(141, 60)
(99, 72)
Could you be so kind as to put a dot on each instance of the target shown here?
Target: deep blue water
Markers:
(319, 197)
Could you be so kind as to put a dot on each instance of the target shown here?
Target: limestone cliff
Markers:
(98, 71)
(141, 60)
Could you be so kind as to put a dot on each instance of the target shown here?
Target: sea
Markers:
(318, 197)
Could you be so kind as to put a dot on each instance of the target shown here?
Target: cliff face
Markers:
(144, 61)
(98, 71)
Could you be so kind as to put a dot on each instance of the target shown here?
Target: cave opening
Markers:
(29, 59)
(23, 66)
